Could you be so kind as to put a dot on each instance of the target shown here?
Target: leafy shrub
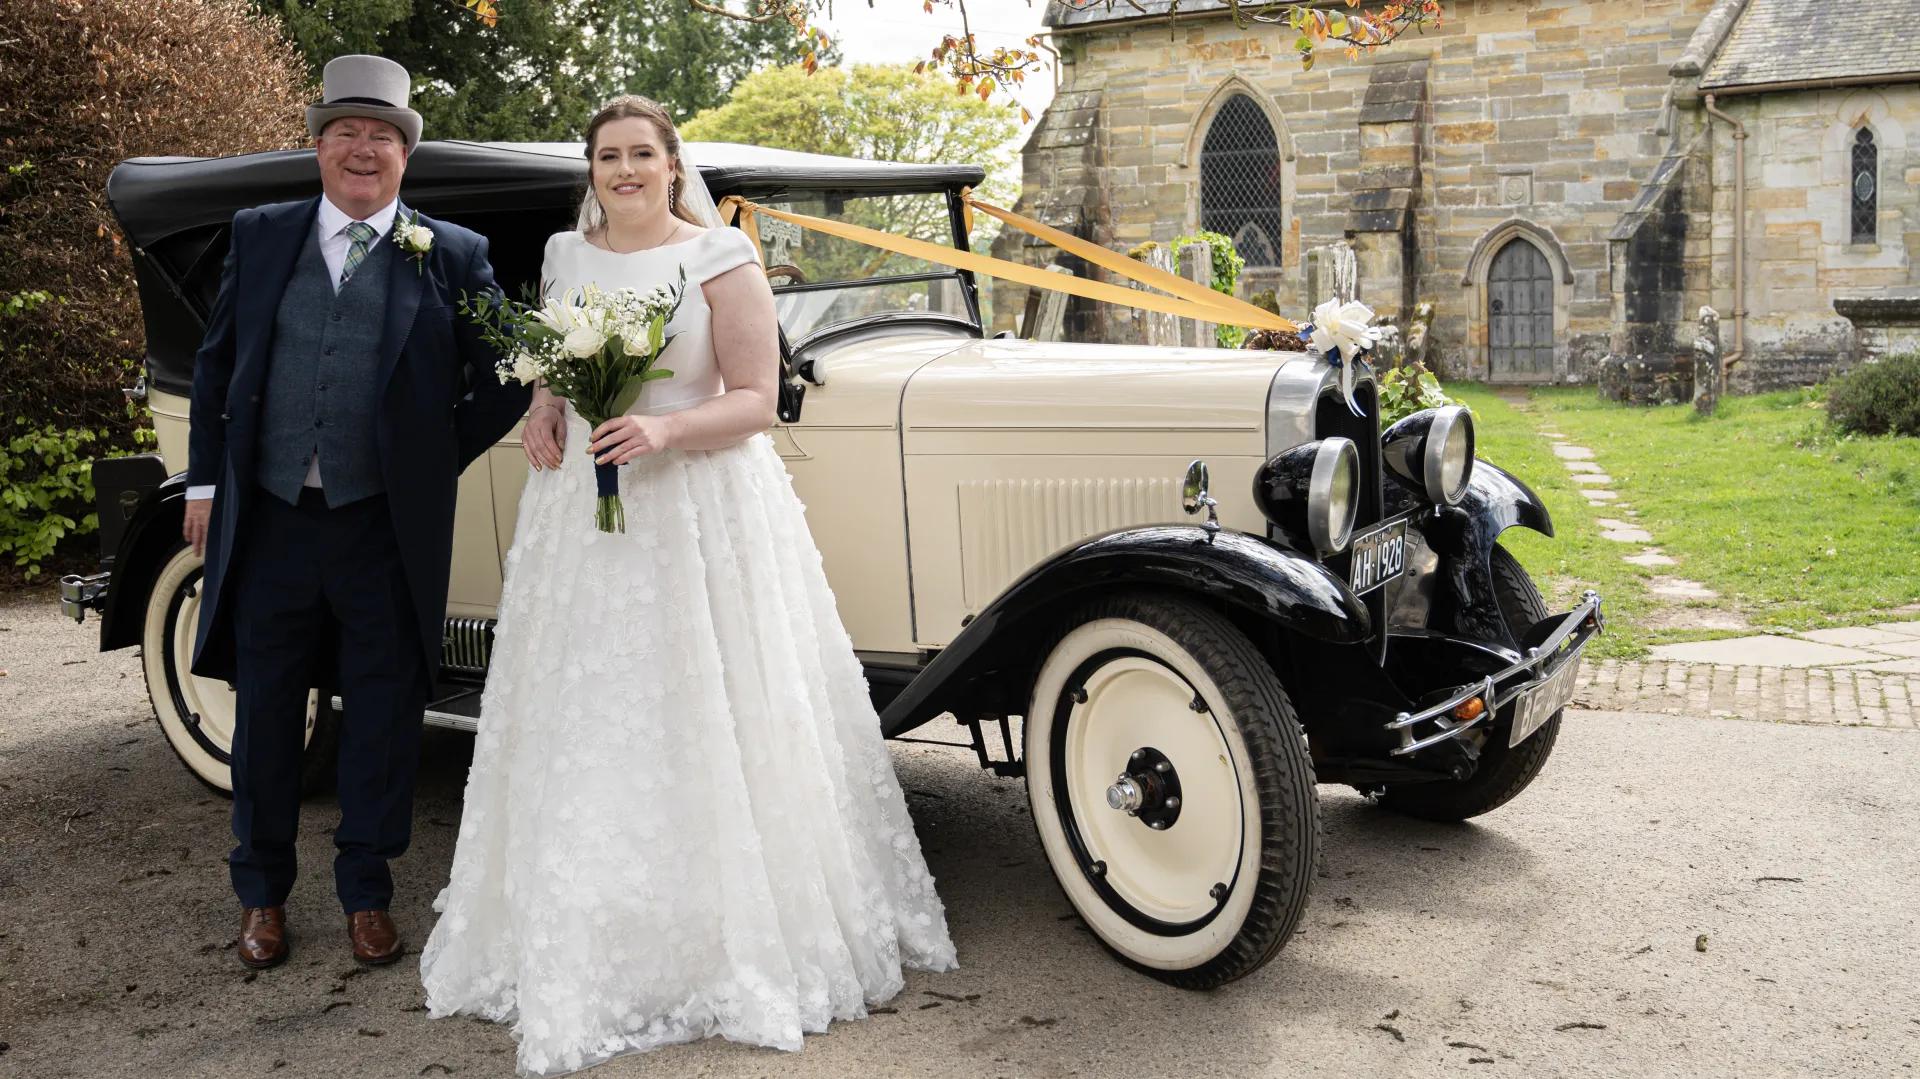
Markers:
(1406, 390)
(43, 472)
(1878, 398)
(1227, 264)
(85, 85)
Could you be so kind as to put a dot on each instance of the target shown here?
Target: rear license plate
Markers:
(1379, 556)
(1543, 700)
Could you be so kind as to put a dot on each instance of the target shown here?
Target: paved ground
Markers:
(1557, 937)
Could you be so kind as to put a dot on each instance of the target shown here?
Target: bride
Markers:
(681, 819)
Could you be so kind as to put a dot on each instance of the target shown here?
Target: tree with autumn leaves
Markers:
(982, 71)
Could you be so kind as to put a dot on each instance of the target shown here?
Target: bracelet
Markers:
(548, 404)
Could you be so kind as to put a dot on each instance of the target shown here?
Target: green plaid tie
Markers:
(362, 235)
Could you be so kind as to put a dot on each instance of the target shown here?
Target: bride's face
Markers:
(632, 171)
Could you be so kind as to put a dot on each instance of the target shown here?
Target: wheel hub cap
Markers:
(1149, 789)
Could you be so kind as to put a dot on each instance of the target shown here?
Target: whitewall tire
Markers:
(198, 713)
(1171, 788)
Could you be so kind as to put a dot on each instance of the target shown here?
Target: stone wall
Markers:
(1800, 254)
(1560, 124)
(1535, 120)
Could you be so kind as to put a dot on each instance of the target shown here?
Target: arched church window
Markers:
(1866, 188)
(1240, 181)
(1520, 313)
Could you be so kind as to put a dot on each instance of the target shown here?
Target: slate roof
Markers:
(1791, 40)
(1061, 16)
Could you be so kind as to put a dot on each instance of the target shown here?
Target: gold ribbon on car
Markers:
(1189, 299)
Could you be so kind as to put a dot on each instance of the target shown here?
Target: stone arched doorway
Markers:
(1516, 291)
(1520, 310)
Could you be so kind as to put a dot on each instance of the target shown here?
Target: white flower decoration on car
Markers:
(415, 239)
(1343, 327)
(1342, 332)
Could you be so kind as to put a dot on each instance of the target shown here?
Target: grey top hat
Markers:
(365, 86)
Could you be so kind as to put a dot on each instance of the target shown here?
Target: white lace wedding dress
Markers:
(681, 819)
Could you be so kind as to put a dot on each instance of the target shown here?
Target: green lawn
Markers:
(1575, 558)
(1794, 527)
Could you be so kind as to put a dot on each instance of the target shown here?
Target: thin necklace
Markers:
(606, 233)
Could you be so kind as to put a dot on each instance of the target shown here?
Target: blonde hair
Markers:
(593, 216)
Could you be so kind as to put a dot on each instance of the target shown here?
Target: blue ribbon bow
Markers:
(1347, 368)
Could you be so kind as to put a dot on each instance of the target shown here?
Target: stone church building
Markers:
(1564, 182)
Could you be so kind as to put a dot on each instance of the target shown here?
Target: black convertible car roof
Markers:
(154, 197)
(176, 211)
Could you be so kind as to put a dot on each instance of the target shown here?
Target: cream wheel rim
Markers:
(198, 714)
(209, 699)
(1135, 704)
(1170, 898)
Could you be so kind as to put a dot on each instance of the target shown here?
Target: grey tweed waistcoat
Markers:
(321, 393)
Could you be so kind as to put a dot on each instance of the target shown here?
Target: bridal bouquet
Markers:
(595, 348)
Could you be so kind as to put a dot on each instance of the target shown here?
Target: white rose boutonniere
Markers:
(415, 239)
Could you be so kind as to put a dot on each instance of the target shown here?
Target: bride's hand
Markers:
(624, 438)
(545, 436)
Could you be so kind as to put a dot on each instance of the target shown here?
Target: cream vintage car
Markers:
(1173, 588)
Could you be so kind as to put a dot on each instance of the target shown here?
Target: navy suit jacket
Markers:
(440, 406)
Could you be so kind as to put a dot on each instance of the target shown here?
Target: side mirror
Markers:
(1194, 496)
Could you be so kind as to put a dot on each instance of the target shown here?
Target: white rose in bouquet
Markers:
(583, 341)
(568, 342)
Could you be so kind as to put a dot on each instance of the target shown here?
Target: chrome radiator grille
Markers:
(467, 645)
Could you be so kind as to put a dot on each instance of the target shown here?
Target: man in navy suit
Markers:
(336, 399)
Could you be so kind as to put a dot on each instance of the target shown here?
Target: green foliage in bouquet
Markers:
(597, 349)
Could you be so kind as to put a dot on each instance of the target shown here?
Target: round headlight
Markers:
(1330, 501)
(1431, 452)
(1449, 455)
(1312, 492)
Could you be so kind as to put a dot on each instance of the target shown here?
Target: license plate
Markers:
(1542, 701)
(1379, 556)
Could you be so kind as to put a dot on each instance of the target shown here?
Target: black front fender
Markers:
(1231, 568)
(1496, 501)
(1464, 536)
(150, 538)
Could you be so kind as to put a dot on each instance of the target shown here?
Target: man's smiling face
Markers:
(361, 162)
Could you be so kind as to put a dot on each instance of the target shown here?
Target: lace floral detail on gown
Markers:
(681, 820)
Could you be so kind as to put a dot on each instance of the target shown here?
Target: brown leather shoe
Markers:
(263, 937)
(376, 942)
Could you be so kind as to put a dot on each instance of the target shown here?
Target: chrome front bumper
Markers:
(1496, 691)
(78, 593)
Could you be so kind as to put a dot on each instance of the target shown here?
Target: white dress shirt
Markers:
(334, 244)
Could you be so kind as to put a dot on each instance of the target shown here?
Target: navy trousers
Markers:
(315, 584)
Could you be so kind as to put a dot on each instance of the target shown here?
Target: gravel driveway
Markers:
(1676, 896)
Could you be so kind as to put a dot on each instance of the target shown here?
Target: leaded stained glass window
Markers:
(1240, 181)
(1866, 188)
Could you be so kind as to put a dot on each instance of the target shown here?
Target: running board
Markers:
(457, 708)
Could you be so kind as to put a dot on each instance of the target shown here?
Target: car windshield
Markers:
(820, 281)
